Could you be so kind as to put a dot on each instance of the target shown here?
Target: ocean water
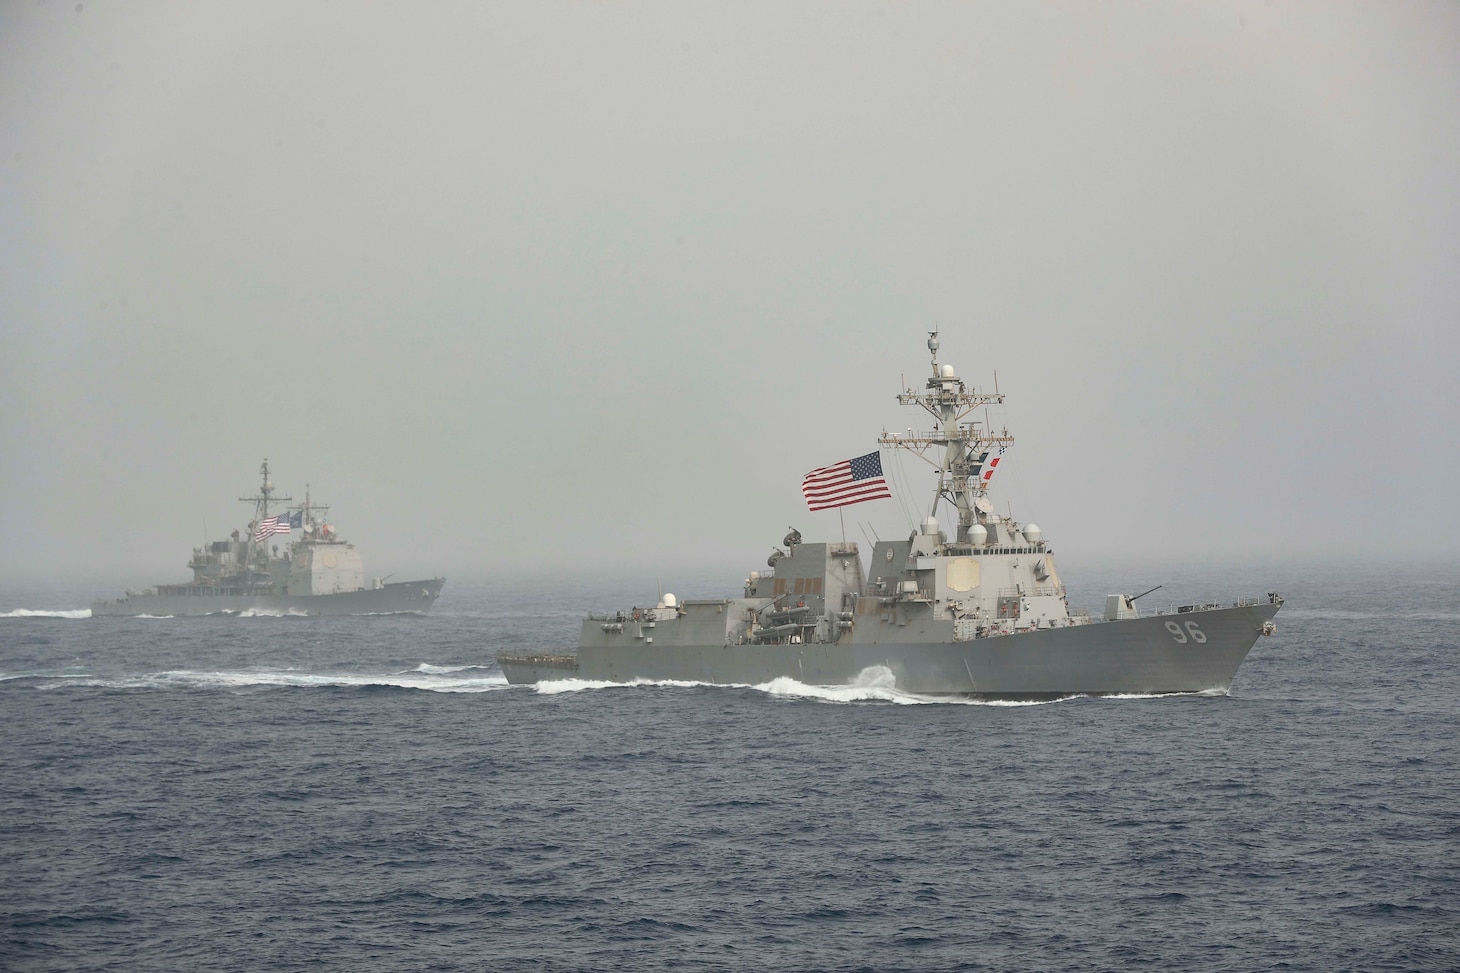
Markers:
(368, 794)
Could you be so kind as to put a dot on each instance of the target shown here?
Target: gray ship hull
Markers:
(393, 598)
(983, 613)
(1187, 652)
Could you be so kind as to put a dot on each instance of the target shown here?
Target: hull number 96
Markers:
(1191, 634)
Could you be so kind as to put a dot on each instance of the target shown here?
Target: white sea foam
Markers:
(873, 684)
(550, 687)
(878, 684)
(251, 679)
(443, 670)
(1202, 692)
(42, 613)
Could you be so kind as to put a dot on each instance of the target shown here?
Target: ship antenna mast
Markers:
(966, 444)
(261, 506)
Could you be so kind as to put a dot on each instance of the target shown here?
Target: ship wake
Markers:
(878, 684)
(875, 684)
(427, 677)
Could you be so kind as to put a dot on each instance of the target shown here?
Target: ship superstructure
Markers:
(317, 573)
(983, 613)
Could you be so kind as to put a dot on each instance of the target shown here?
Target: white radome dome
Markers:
(1032, 533)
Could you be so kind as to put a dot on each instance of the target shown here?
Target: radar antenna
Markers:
(261, 510)
(966, 444)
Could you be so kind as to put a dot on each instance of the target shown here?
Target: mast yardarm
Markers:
(261, 508)
(949, 401)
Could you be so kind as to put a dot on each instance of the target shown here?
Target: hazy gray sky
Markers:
(562, 284)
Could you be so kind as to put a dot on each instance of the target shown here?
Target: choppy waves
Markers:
(46, 613)
(358, 794)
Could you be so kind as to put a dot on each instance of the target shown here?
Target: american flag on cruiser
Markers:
(850, 481)
(271, 525)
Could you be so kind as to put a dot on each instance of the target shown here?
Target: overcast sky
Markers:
(563, 286)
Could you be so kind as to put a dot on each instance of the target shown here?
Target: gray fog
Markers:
(568, 287)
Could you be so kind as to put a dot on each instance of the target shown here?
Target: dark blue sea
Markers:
(264, 793)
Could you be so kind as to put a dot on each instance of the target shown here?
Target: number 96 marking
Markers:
(1192, 633)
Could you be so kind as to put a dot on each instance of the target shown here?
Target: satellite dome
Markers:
(1031, 533)
(670, 601)
(946, 372)
(978, 534)
(930, 526)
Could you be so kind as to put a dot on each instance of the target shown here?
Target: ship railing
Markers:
(842, 548)
(210, 590)
(957, 549)
(637, 615)
(1143, 612)
(1203, 607)
(547, 660)
(1033, 591)
(188, 589)
(1198, 607)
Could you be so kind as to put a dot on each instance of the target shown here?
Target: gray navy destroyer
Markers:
(981, 614)
(318, 574)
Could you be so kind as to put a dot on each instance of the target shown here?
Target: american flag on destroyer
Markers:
(850, 481)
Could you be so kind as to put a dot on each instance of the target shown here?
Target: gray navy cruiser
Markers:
(318, 574)
(981, 614)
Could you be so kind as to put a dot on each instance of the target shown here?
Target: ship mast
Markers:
(261, 506)
(966, 444)
(309, 508)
